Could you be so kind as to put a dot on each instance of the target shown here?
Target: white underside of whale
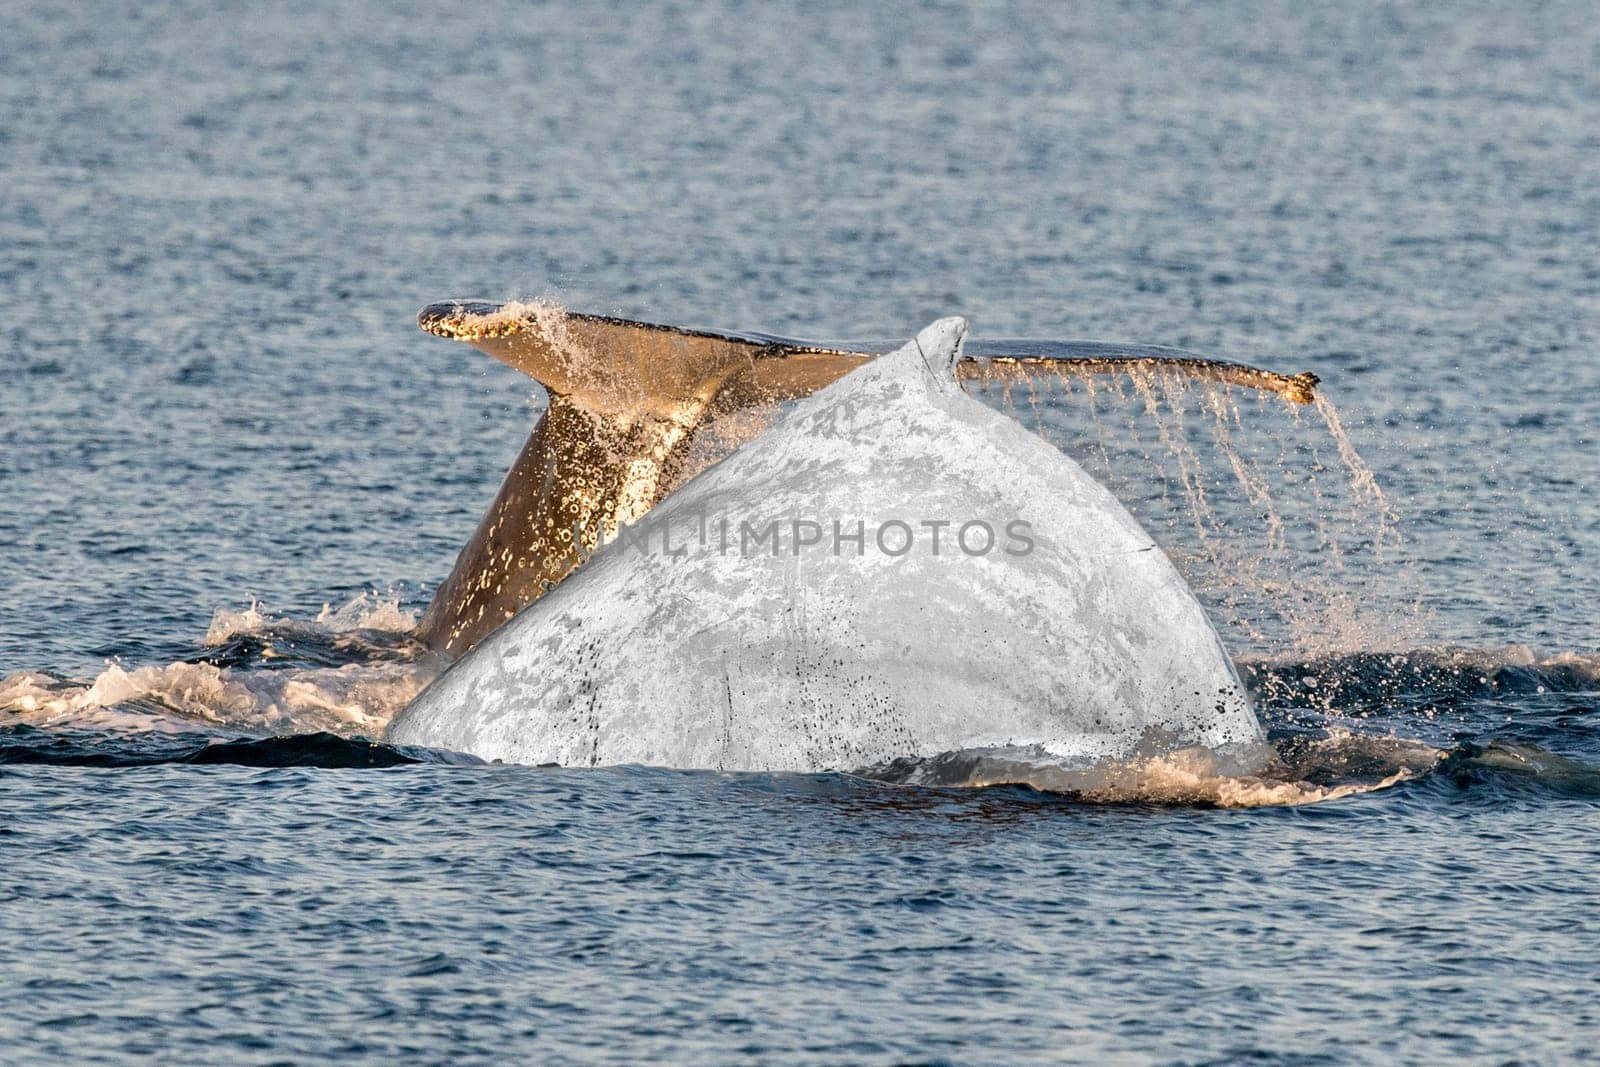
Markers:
(1088, 647)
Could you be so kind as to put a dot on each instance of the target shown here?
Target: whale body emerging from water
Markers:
(892, 570)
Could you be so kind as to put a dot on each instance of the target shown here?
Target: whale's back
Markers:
(1046, 616)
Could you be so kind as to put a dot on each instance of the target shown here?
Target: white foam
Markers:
(353, 698)
(357, 698)
(1191, 776)
(365, 612)
(1229, 776)
(368, 611)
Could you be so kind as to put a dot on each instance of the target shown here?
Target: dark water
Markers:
(216, 228)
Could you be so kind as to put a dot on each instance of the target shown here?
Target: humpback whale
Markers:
(786, 609)
(629, 402)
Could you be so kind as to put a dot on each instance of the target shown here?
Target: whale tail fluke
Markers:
(614, 362)
(628, 400)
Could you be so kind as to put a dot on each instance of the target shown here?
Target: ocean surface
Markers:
(232, 471)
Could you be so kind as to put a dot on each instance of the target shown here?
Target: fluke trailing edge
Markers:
(629, 401)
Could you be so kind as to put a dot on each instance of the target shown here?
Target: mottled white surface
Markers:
(1089, 646)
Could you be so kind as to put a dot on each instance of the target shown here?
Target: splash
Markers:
(356, 699)
(345, 672)
(1291, 552)
(503, 320)
(367, 612)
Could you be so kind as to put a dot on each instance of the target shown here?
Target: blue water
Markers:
(217, 226)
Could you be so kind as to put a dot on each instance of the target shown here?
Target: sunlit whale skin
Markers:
(630, 400)
(1088, 645)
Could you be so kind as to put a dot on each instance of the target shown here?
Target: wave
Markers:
(29, 745)
(1333, 768)
(1441, 673)
(1292, 773)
